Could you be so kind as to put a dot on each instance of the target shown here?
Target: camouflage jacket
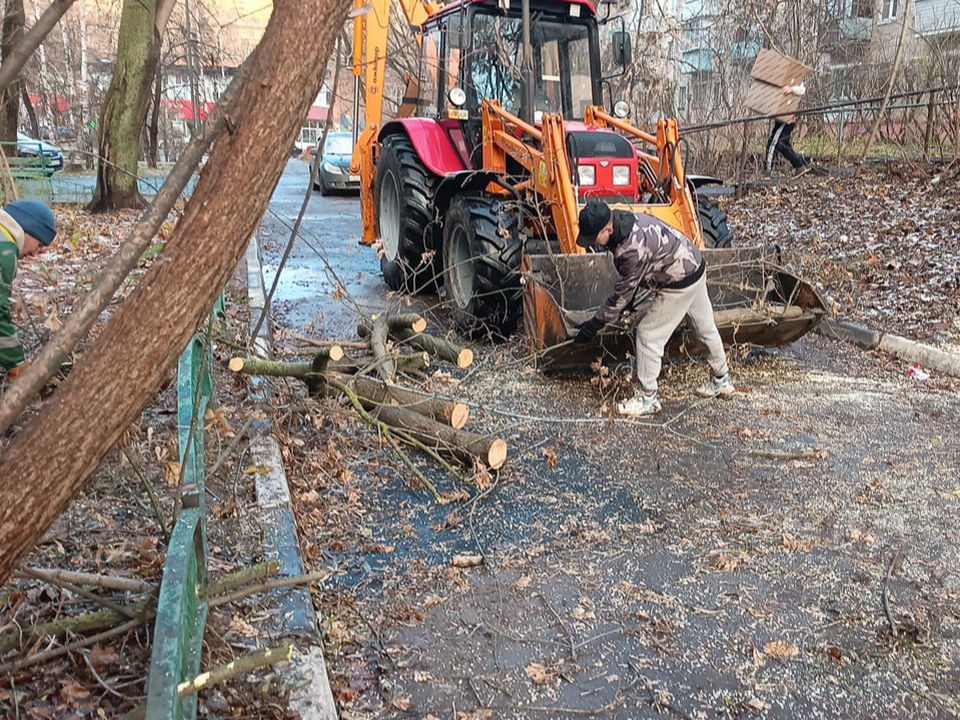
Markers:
(649, 255)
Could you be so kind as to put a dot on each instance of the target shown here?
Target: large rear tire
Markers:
(481, 265)
(404, 192)
(716, 232)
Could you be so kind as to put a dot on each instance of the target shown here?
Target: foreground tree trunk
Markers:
(42, 469)
(13, 21)
(125, 105)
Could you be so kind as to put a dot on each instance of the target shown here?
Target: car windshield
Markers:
(338, 145)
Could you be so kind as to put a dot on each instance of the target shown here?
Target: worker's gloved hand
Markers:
(17, 371)
(588, 330)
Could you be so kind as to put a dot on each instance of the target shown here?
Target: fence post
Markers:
(182, 604)
(928, 131)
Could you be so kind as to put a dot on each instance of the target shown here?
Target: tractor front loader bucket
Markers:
(755, 302)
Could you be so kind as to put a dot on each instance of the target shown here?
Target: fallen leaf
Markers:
(402, 703)
(538, 674)
(242, 627)
(523, 582)
(781, 650)
(172, 472)
(550, 454)
(466, 561)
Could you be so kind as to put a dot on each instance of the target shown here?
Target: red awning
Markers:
(317, 113)
(59, 103)
(186, 110)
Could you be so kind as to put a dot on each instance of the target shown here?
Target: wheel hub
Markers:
(461, 268)
(390, 203)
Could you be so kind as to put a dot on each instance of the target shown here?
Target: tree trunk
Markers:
(125, 108)
(31, 113)
(41, 470)
(13, 21)
(153, 129)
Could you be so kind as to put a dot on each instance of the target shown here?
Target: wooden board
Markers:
(771, 73)
(765, 99)
(776, 69)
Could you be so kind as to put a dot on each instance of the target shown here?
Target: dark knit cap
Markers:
(35, 218)
(593, 218)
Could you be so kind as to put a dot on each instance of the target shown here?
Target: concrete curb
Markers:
(930, 357)
(311, 697)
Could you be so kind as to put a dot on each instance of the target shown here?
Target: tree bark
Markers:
(42, 470)
(125, 108)
(373, 393)
(460, 444)
(438, 347)
(13, 21)
(386, 366)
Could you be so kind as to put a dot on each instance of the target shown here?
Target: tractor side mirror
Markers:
(622, 51)
(458, 31)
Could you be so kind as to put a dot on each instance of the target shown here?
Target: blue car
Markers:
(28, 147)
(333, 175)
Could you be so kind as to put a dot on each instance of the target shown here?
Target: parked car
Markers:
(29, 147)
(334, 172)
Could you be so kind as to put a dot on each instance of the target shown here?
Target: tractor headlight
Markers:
(587, 174)
(621, 109)
(457, 97)
(621, 174)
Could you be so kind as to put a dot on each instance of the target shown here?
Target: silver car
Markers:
(333, 175)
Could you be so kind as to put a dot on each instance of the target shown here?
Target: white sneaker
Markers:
(722, 385)
(640, 404)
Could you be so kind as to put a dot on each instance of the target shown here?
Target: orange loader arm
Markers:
(551, 176)
(371, 29)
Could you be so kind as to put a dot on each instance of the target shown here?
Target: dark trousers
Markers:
(779, 142)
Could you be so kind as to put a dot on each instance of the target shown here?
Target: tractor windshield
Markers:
(561, 58)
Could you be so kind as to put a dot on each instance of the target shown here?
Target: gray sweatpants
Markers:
(667, 311)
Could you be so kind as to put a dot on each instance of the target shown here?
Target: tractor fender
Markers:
(697, 181)
(465, 181)
(431, 142)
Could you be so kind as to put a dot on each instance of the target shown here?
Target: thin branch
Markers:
(109, 604)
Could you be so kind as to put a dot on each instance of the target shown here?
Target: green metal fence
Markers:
(182, 605)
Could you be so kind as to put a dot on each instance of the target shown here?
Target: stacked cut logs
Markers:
(392, 346)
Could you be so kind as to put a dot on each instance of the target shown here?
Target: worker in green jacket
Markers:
(26, 227)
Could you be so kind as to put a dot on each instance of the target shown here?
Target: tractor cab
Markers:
(473, 51)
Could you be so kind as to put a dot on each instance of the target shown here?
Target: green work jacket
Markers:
(11, 352)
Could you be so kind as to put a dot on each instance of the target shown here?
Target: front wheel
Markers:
(404, 192)
(481, 265)
(713, 221)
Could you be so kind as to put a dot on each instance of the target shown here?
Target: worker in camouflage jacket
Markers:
(26, 226)
(651, 255)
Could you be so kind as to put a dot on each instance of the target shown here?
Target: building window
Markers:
(889, 11)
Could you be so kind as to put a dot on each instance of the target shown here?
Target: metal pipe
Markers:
(526, 67)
